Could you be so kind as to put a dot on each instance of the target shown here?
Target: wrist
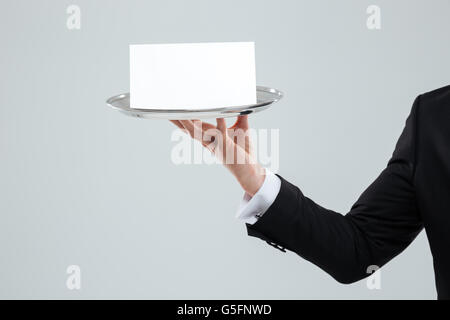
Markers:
(253, 179)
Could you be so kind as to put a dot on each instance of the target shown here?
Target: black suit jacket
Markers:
(412, 193)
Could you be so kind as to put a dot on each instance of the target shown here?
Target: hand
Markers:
(232, 146)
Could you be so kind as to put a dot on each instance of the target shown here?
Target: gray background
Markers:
(82, 184)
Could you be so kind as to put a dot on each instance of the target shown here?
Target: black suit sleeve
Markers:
(381, 224)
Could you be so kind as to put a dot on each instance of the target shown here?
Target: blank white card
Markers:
(192, 75)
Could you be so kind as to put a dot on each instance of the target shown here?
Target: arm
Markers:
(380, 225)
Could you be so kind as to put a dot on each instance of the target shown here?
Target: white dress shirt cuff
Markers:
(252, 208)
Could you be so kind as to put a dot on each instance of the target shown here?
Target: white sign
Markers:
(192, 75)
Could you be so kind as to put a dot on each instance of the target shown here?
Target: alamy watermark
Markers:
(73, 281)
(374, 280)
(236, 146)
(374, 19)
(73, 21)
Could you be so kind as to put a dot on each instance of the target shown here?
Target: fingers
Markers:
(189, 126)
(177, 123)
(196, 128)
(207, 126)
(204, 132)
(204, 125)
(241, 122)
(221, 125)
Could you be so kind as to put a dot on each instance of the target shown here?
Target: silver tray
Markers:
(265, 97)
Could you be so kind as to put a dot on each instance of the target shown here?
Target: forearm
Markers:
(321, 236)
(380, 225)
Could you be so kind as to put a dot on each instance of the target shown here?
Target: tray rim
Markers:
(233, 109)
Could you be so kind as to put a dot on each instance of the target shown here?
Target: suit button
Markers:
(276, 246)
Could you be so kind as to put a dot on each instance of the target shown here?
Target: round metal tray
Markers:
(265, 97)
